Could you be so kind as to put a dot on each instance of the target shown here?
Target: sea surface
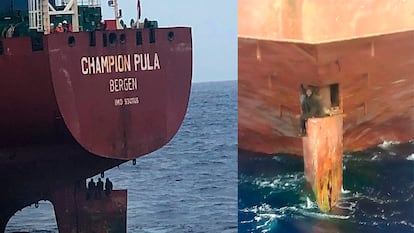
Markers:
(190, 185)
(377, 195)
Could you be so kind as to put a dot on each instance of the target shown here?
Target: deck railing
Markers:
(90, 3)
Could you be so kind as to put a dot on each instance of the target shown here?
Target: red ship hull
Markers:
(33, 173)
(283, 44)
(66, 117)
(106, 118)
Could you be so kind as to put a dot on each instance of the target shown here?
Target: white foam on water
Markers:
(267, 225)
(280, 182)
(265, 208)
(358, 195)
(311, 209)
(344, 191)
(346, 205)
(375, 157)
(387, 144)
(325, 215)
(406, 223)
(309, 204)
(248, 221)
(258, 209)
(277, 158)
(268, 184)
(410, 157)
(381, 216)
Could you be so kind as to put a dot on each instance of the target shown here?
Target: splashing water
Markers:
(377, 194)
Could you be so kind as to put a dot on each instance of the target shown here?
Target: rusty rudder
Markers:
(322, 153)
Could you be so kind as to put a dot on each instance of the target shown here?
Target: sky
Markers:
(214, 31)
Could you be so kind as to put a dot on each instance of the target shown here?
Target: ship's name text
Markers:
(119, 63)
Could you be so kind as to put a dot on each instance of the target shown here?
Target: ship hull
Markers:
(122, 94)
(32, 173)
(372, 66)
(76, 104)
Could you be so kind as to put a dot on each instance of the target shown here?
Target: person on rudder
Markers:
(91, 189)
(311, 107)
(99, 188)
(108, 187)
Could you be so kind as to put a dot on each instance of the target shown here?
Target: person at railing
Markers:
(10, 31)
(67, 27)
(133, 24)
(59, 28)
(100, 25)
(52, 27)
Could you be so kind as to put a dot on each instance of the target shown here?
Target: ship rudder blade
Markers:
(75, 212)
(322, 153)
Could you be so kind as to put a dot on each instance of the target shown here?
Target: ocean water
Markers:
(377, 195)
(190, 185)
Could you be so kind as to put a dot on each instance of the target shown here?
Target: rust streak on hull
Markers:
(376, 91)
(322, 154)
(75, 213)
